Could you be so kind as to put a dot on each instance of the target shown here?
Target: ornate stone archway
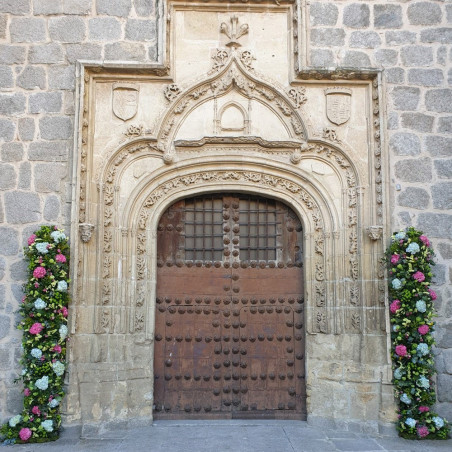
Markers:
(130, 171)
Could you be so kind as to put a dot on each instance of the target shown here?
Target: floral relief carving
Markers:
(298, 96)
(220, 57)
(171, 92)
(354, 295)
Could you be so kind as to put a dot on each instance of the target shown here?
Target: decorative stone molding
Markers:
(375, 232)
(86, 231)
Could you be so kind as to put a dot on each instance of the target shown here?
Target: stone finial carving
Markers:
(86, 231)
(338, 104)
(375, 232)
(233, 32)
(125, 100)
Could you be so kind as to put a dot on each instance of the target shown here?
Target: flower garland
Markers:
(44, 322)
(409, 258)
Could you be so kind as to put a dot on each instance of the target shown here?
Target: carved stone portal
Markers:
(234, 119)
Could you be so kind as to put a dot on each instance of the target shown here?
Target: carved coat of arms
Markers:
(338, 104)
(125, 100)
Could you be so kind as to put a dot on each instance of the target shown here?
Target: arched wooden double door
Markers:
(229, 335)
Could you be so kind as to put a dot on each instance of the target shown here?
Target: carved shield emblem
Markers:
(125, 100)
(338, 104)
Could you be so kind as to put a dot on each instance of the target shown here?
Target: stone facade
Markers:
(41, 144)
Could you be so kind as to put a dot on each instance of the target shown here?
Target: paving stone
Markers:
(436, 225)
(120, 8)
(443, 168)
(7, 129)
(439, 100)
(386, 57)
(7, 176)
(424, 13)
(6, 77)
(417, 198)
(416, 56)
(32, 77)
(322, 58)
(405, 98)
(143, 7)
(55, 127)
(27, 30)
(418, 122)
(62, 77)
(26, 129)
(18, 270)
(140, 30)
(24, 176)
(403, 143)
(327, 37)
(88, 51)
(365, 39)
(9, 244)
(356, 16)
(395, 75)
(322, 14)
(49, 102)
(445, 250)
(81, 7)
(51, 208)
(46, 53)
(67, 29)
(442, 195)
(48, 177)
(364, 444)
(425, 77)
(10, 54)
(104, 29)
(56, 151)
(12, 104)
(22, 207)
(442, 35)
(388, 16)
(356, 59)
(47, 7)
(15, 7)
(414, 170)
(438, 146)
(124, 51)
(12, 152)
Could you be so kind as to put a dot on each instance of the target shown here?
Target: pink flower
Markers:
(60, 258)
(395, 306)
(424, 240)
(400, 350)
(25, 434)
(423, 329)
(432, 294)
(36, 328)
(39, 272)
(35, 410)
(64, 311)
(395, 258)
(419, 276)
(422, 431)
(424, 409)
(36, 285)
(31, 239)
(27, 392)
(57, 348)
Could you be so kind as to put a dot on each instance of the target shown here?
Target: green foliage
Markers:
(44, 324)
(409, 259)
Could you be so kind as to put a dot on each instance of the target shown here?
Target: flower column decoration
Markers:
(410, 258)
(44, 323)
